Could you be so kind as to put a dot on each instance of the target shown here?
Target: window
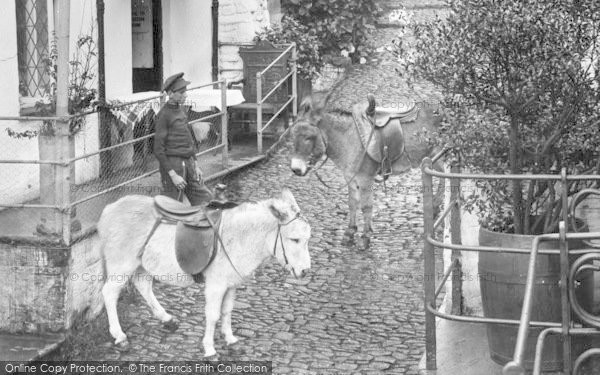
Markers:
(32, 47)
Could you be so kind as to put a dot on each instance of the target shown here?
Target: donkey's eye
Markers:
(295, 240)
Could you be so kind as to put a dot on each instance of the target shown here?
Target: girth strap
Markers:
(218, 238)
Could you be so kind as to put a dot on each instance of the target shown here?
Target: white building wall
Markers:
(9, 79)
(187, 39)
(18, 182)
(117, 45)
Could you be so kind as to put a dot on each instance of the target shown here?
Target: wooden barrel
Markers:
(502, 279)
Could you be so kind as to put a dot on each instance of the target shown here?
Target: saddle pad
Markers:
(195, 247)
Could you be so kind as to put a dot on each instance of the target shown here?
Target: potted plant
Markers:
(519, 100)
(309, 61)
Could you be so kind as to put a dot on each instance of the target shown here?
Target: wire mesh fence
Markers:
(53, 189)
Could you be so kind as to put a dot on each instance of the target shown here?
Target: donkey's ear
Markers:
(279, 209)
(286, 195)
(306, 105)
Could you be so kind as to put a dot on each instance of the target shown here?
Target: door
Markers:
(146, 42)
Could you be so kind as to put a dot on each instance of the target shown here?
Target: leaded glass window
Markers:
(33, 47)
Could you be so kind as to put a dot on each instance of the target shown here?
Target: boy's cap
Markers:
(175, 82)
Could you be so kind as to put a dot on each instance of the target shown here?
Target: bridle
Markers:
(314, 159)
(278, 237)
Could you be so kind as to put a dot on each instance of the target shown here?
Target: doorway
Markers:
(146, 42)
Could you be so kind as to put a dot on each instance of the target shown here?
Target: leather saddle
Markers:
(383, 131)
(382, 116)
(196, 235)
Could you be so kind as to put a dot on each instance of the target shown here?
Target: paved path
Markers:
(361, 312)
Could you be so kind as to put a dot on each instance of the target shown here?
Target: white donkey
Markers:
(250, 234)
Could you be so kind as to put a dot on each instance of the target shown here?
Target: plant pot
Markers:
(502, 280)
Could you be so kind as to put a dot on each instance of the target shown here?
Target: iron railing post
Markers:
(294, 83)
(259, 112)
(564, 272)
(456, 257)
(516, 365)
(224, 121)
(429, 266)
(564, 298)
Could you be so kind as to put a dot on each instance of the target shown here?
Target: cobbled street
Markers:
(359, 312)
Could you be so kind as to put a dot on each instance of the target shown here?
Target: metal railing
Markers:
(568, 272)
(63, 169)
(260, 100)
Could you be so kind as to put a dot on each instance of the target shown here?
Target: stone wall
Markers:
(46, 288)
(238, 23)
(33, 287)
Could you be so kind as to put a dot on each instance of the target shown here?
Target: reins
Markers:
(223, 245)
(278, 236)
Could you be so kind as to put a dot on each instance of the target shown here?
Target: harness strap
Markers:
(180, 194)
(278, 236)
(364, 153)
(156, 224)
(216, 229)
(360, 160)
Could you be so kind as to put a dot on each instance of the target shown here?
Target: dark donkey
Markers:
(361, 143)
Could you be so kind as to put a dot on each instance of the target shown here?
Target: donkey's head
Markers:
(293, 233)
(310, 143)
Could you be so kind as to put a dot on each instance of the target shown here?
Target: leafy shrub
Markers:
(339, 24)
(518, 100)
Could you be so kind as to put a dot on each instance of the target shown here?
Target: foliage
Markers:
(307, 44)
(341, 25)
(82, 68)
(81, 89)
(403, 21)
(24, 134)
(518, 100)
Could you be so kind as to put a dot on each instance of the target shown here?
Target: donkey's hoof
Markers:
(210, 353)
(171, 325)
(231, 340)
(122, 346)
(347, 240)
(365, 242)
